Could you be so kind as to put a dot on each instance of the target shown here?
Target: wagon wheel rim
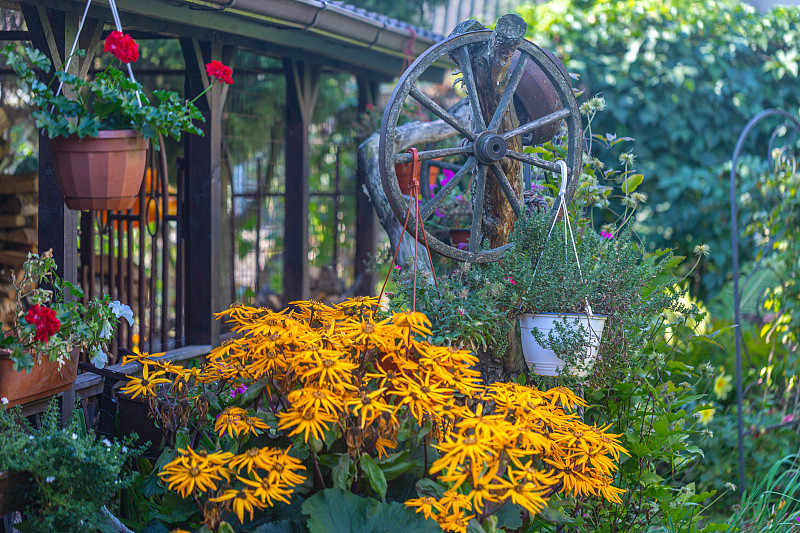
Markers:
(478, 135)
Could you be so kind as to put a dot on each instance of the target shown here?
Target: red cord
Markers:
(413, 198)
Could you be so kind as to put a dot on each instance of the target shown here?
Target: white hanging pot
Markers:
(545, 362)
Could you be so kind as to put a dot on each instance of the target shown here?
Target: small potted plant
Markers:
(60, 479)
(566, 303)
(101, 128)
(50, 328)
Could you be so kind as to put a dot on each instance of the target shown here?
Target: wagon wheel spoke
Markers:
(477, 210)
(433, 154)
(502, 179)
(440, 112)
(511, 88)
(472, 90)
(538, 123)
(533, 160)
(428, 209)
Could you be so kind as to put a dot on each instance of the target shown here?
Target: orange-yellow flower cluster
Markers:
(270, 475)
(333, 371)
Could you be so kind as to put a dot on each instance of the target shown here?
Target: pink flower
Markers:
(238, 389)
(448, 175)
(510, 280)
(787, 418)
(606, 234)
(397, 267)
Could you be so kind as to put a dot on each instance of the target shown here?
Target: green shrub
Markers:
(71, 475)
(683, 78)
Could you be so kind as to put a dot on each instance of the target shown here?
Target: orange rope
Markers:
(413, 198)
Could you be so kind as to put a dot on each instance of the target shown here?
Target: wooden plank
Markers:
(88, 384)
(19, 186)
(20, 204)
(27, 236)
(12, 221)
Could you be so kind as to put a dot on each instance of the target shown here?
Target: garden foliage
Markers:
(683, 78)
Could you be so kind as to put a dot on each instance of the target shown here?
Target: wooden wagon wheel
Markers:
(482, 143)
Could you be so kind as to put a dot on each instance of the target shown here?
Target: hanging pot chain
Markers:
(115, 15)
(561, 204)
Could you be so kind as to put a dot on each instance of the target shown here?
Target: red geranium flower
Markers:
(122, 46)
(220, 72)
(45, 320)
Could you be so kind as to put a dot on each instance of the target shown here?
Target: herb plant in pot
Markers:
(553, 282)
(559, 299)
(100, 128)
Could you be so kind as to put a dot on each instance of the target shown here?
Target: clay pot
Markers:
(460, 238)
(404, 172)
(100, 173)
(44, 380)
(536, 97)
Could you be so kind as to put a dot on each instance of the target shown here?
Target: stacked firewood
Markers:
(19, 221)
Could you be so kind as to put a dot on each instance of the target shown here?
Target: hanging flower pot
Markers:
(100, 173)
(404, 173)
(44, 380)
(544, 361)
(460, 238)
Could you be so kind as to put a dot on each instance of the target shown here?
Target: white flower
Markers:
(99, 357)
(30, 437)
(121, 310)
(4, 400)
(107, 443)
(105, 331)
(74, 436)
(50, 479)
(124, 449)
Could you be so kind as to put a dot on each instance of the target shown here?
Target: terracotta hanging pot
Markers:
(100, 173)
(404, 172)
(543, 360)
(460, 238)
(44, 380)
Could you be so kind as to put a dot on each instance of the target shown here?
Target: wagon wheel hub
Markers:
(490, 147)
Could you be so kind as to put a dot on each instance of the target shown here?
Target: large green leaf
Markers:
(338, 511)
(374, 474)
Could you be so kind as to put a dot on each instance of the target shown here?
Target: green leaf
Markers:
(555, 516)
(428, 487)
(344, 472)
(711, 528)
(509, 516)
(650, 478)
(631, 182)
(338, 511)
(282, 526)
(374, 474)
(225, 527)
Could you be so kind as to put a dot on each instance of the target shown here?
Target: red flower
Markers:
(45, 321)
(220, 72)
(122, 46)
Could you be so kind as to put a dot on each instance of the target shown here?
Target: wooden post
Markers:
(366, 241)
(53, 32)
(302, 84)
(201, 196)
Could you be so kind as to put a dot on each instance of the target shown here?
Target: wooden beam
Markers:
(366, 228)
(170, 20)
(201, 199)
(302, 85)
